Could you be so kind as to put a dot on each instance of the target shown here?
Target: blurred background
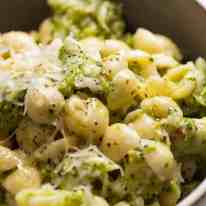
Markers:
(22, 14)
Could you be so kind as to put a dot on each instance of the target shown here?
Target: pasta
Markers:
(9, 159)
(153, 43)
(49, 103)
(160, 159)
(114, 64)
(118, 140)
(125, 87)
(21, 179)
(142, 63)
(91, 115)
(147, 126)
(87, 118)
(30, 136)
(112, 47)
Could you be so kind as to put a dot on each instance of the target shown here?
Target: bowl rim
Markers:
(196, 195)
(200, 191)
(202, 3)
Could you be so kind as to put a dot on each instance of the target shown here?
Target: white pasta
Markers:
(159, 158)
(18, 42)
(92, 47)
(91, 115)
(157, 86)
(164, 62)
(153, 43)
(118, 140)
(125, 88)
(22, 178)
(161, 107)
(142, 63)
(146, 126)
(54, 151)
(8, 159)
(114, 63)
(111, 47)
(178, 83)
(184, 78)
(43, 105)
(31, 136)
(87, 118)
(122, 204)
(99, 201)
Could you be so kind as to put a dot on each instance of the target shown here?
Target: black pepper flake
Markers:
(166, 165)
(114, 175)
(51, 111)
(109, 144)
(151, 59)
(132, 93)
(97, 184)
(126, 157)
(132, 176)
(35, 140)
(164, 139)
(91, 149)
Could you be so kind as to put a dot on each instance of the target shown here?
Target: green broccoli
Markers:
(83, 18)
(139, 178)
(195, 105)
(189, 138)
(10, 115)
(170, 194)
(82, 72)
(2, 197)
(88, 167)
(48, 196)
(132, 181)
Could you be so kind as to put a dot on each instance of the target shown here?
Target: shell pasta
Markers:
(93, 116)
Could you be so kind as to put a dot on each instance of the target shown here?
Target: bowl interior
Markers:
(22, 14)
(26, 15)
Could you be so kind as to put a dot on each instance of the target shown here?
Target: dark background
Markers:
(22, 14)
(182, 20)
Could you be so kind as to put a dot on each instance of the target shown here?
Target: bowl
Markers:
(26, 15)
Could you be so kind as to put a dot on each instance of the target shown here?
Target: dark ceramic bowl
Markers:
(184, 24)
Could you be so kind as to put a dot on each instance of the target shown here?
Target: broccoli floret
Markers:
(83, 18)
(2, 197)
(139, 178)
(189, 138)
(195, 105)
(171, 194)
(87, 167)
(48, 196)
(10, 115)
(132, 181)
(11, 110)
(82, 72)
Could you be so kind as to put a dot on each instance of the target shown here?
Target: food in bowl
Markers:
(92, 115)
